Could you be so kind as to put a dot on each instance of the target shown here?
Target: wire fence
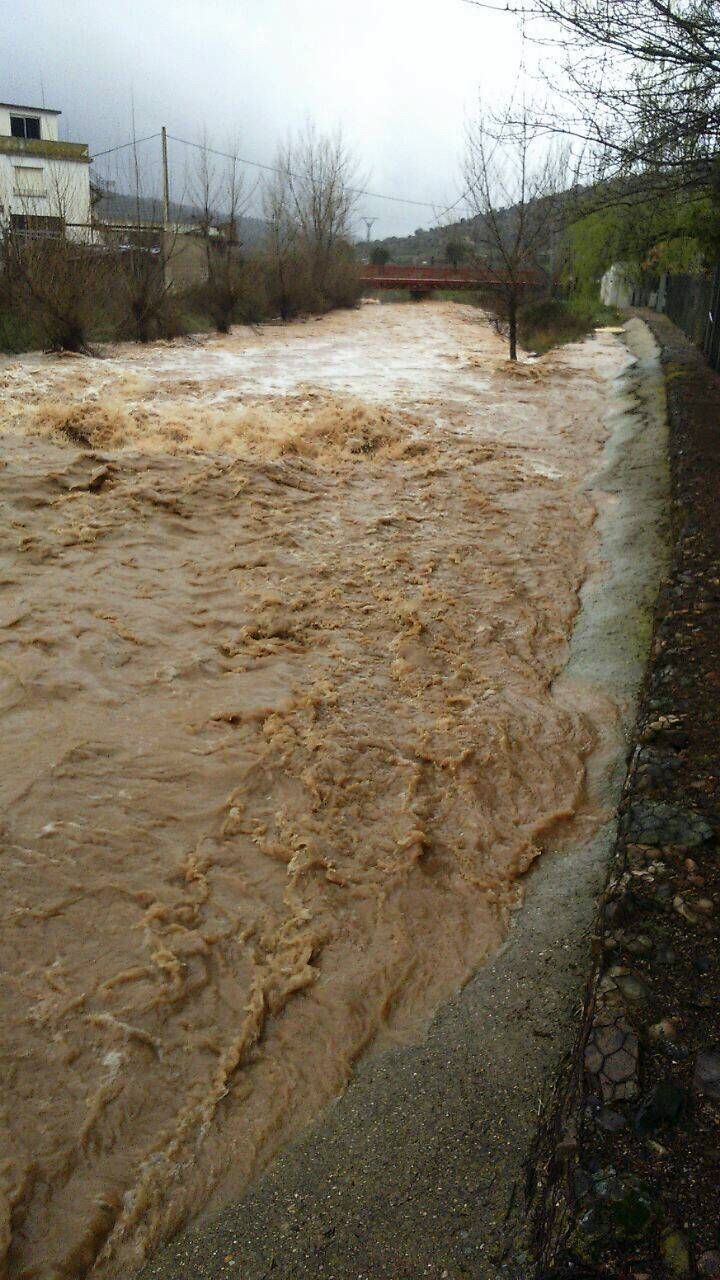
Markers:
(692, 302)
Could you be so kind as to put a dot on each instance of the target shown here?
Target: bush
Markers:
(59, 295)
(545, 323)
(17, 332)
(56, 289)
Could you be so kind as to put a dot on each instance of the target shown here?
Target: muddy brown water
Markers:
(280, 620)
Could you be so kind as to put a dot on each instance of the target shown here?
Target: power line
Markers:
(495, 8)
(271, 168)
(134, 143)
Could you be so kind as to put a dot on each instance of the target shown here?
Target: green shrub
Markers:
(545, 323)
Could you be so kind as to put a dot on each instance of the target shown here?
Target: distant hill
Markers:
(426, 245)
(116, 206)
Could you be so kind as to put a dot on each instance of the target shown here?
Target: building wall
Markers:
(616, 286)
(186, 260)
(43, 178)
(48, 121)
(65, 187)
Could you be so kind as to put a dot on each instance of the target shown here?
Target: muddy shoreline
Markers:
(420, 1167)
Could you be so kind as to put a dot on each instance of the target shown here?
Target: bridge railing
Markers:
(439, 275)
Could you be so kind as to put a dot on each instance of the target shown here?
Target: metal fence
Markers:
(692, 302)
(711, 337)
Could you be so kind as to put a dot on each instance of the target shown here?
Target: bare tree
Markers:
(221, 200)
(638, 86)
(514, 180)
(54, 274)
(309, 204)
(142, 248)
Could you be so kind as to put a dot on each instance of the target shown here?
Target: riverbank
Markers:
(632, 1149)
(419, 1169)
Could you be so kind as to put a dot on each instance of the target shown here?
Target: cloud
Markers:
(399, 77)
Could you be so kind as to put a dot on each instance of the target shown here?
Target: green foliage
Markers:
(17, 333)
(549, 322)
(455, 252)
(676, 233)
(380, 255)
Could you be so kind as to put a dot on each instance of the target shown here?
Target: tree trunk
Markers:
(512, 324)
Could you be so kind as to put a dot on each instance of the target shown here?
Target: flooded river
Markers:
(280, 620)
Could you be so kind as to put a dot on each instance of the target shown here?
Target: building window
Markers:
(29, 182)
(35, 228)
(25, 126)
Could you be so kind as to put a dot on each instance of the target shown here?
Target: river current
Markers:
(281, 616)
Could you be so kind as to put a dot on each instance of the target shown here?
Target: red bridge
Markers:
(425, 279)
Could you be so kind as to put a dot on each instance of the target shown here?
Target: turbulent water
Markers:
(280, 617)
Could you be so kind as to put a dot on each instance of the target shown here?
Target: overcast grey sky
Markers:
(399, 77)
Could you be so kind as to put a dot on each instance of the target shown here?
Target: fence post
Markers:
(711, 345)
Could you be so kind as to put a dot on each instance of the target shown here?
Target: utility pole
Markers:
(166, 180)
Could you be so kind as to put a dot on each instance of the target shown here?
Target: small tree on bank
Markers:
(456, 252)
(380, 255)
(308, 206)
(53, 275)
(142, 250)
(514, 181)
(221, 200)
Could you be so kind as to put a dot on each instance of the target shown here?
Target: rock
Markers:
(639, 946)
(709, 1264)
(665, 1030)
(633, 988)
(630, 1209)
(705, 906)
(623, 1211)
(665, 1104)
(684, 910)
(676, 1254)
(654, 822)
(611, 1055)
(702, 962)
(706, 1078)
(609, 1120)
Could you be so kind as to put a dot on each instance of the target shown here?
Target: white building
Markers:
(44, 183)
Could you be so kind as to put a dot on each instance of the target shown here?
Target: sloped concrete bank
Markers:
(420, 1168)
(631, 1150)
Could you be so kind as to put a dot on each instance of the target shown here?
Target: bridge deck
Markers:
(421, 279)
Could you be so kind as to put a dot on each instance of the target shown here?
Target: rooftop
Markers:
(18, 106)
